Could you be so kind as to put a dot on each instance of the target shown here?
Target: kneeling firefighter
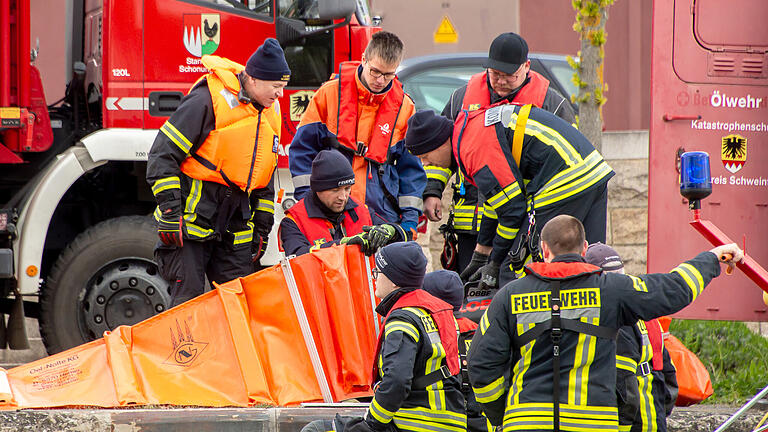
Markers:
(417, 384)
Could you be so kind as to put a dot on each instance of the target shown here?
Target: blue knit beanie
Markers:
(403, 263)
(445, 285)
(268, 63)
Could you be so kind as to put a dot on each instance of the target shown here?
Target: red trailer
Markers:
(709, 92)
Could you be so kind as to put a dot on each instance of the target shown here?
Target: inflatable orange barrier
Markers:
(301, 331)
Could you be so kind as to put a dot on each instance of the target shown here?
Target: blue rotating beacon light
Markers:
(695, 179)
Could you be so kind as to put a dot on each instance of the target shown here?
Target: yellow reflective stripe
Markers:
(552, 138)
(265, 206)
(490, 392)
(568, 175)
(647, 409)
(378, 412)
(443, 416)
(419, 425)
(177, 137)
(625, 428)
(435, 392)
(193, 230)
(489, 212)
(696, 274)
(402, 326)
(507, 233)
(577, 378)
(691, 279)
(626, 363)
(157, 214)
(549, 197)
(505, 195)
(438, 173)
(166, 183)
(521, 367)
(195, 192)
(639, 284)
(245, 236)
(484, 323)
(532, 416)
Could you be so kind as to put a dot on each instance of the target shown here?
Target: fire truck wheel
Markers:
(105, 278)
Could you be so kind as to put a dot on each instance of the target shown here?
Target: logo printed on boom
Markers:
(185, 348)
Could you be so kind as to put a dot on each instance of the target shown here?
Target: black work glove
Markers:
(169, 227)
(478, 260)
(489, 276)
(258, 247)
(359, 239)
(379, 235)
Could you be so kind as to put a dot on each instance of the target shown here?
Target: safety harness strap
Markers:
(556, 334)
(427, 380)
(567, 324)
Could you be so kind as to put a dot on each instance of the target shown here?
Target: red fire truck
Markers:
(709, 92)
(76, 240)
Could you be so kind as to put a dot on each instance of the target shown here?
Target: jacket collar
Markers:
(562, 267)
(364, 96)
(387, 302)
(496, 98)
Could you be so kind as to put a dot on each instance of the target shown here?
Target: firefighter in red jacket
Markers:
(363, 112)
(447, 286)
(508, 78)
(544, 356)
(328, 216)
(646, 381)
(529, 165)
(211, 168)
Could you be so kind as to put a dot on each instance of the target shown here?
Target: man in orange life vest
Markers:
(447, 286)
(363, 111)
(508, 78)
(211, 170)
(327, 215)
(646, 381)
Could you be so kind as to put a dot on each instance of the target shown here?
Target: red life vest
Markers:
(441, 313)
(656, 336)
(386, 116)
(477, 146)
(466, 325)
(318, 230)
(477, 95)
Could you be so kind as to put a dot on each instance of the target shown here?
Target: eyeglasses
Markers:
(497, 75)
(376, 74)
(375, 273)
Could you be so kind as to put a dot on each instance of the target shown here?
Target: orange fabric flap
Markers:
(692, 377)
(127, 386)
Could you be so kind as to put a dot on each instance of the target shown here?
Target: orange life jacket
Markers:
(441, 313)
(477, 95)
(381, 136)
(318, 230)
(242, 149)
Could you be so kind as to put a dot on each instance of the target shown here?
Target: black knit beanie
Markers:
(330, 169)
(427, 131)
(268, 63)
(445, 285)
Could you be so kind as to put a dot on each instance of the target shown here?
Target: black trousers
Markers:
(590, 207)
(465, 247)
(185, 268)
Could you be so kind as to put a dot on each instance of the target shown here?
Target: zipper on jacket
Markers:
(253, 156)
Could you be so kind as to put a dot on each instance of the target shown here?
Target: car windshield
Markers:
(431, 89)
(564, 74)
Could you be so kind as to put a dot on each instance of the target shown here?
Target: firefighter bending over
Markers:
(211, 170)
(544, 357)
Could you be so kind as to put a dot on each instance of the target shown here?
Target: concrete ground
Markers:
(700, 418)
